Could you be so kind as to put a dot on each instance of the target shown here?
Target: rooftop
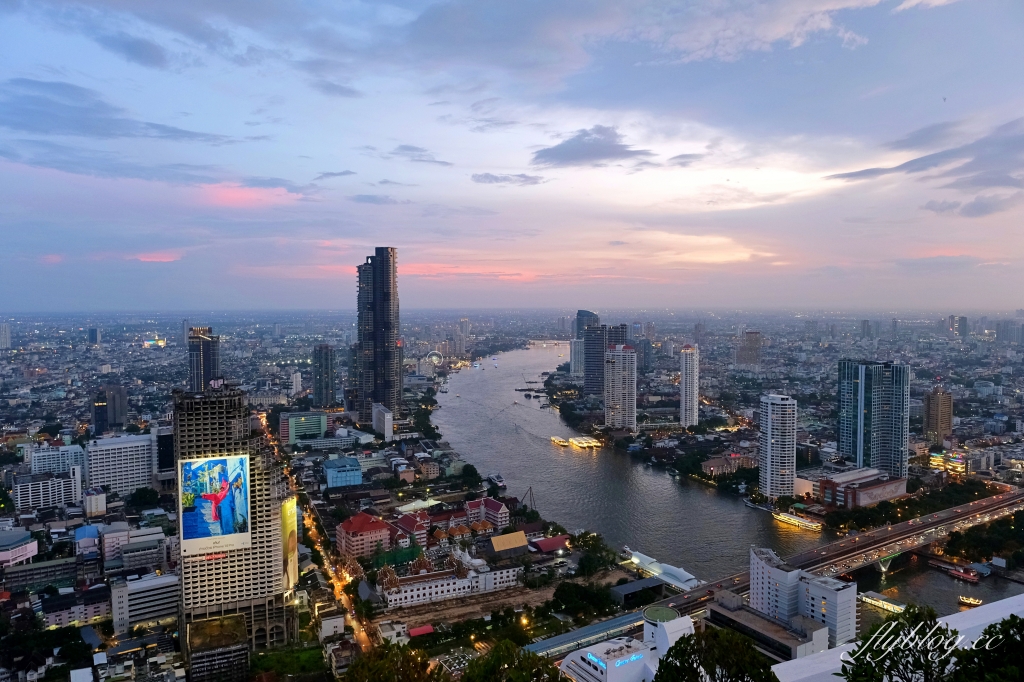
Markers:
(10, 539)
(217, 633)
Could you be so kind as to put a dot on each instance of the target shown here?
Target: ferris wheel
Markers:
(435, 358)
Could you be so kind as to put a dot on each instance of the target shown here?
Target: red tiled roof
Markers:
(550, 544)
(362, 523)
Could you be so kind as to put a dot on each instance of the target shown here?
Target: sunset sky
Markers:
(538, 153)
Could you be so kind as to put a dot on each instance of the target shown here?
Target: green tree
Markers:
(470, 476)
(714, 655)
(998, 656)
(143, 498)
(507, 662)
(390, 663)
(887, 653)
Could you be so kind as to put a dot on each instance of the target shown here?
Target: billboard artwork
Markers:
(290, 543)
(213, 504)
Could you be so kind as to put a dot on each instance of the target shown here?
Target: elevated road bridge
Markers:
(879, 546)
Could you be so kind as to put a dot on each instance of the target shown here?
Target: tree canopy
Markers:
(714, 655)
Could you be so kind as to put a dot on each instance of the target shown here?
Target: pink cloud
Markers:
(234, 195)
(157, 256)
(52, 258)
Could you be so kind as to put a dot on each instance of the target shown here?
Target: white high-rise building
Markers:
(782, 592)
(296, 383)
(689, 385)
(778, 445)
(54, 460)
(5, 336)
(620, 387)
(576, 357)
(124, 463)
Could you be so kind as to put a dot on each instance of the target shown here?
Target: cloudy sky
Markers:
(536, 153)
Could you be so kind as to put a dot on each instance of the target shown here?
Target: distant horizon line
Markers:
(5, 315)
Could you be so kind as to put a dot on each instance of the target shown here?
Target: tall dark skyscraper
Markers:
(596, 340)
(110, 409)
(203, 358)
(95, 336)
(874, 414)
(584, 319)
(324, 376)
(379, 348)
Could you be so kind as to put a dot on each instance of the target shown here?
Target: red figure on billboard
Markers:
(217, 498)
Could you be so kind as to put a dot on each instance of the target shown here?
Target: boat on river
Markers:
(497, 480)
(969, 601)
(798, 521)
(966, 574)
(560, 441)
(585, 442)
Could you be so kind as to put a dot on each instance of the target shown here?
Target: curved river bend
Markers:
(681, 523)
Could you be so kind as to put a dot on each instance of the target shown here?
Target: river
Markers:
(681, 523)
(677, 521)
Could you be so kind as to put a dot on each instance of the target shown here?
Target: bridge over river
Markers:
(878, 547)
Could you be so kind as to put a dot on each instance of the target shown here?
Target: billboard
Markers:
(213, 504)
(290, 543)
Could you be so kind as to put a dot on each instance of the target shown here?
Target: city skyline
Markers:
(808, 154)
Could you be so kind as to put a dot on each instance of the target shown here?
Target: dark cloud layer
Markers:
(993, 161)
(923, 138)
(593, 147)
(685, 159)
(379, 199)
(58, 108)
(68, 159)
(417, 154)
(333, 174)
(335, 89)
(135, 49)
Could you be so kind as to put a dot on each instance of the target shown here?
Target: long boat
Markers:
(559, 441)
(585, 442)
(968, 574)
(798, 521)
(969, 601)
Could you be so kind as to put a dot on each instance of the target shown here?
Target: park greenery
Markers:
(505, 662)
(421, 417)
(714, 655)
(1003, 537)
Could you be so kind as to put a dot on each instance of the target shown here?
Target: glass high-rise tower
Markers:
(874, 414)
(203, 358)
(324, 376)
(379, 349)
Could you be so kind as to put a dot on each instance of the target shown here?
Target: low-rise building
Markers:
(362, 534)
(17, 547)
(462, 577)
(625, 659)
(139, 601)
(342, 472)
(77, 609)
(394, 631)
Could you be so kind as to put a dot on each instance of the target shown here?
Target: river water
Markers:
(683, 523)
(677, 521)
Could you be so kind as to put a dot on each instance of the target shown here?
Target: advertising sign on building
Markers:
(213, 504)
(290, 543)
